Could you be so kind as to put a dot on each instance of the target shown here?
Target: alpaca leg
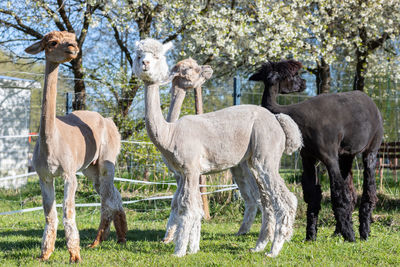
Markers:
(345, 164)
(312, 195)
(285, 207)
(262, 180)
(270, 223)
(111, 206)
(194, 239)
(341, 200)
(120, 223)
(172, 220)
(119, 216)
(247, 191)
(71, 231)
(93, 173)
(189, 212)
(50, 214)
(369, 198)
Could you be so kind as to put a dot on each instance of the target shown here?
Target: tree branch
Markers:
(373, 44)
(119, 41)
(122, 46)
(183, 27)
(63, 14)
(53, 14)
(19, 26)
(86, 22)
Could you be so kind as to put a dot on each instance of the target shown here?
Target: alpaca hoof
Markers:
(166, 240)
(94, 244)
(43, 258)
(179, 254)
(45, 255)
(75, 259)
(121, 241)
(241, 233)
(311, 238)
(270, 255)
(349, 238)
(194, 251)
(336, 233)
(254, 250)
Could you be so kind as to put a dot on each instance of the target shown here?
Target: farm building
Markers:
(15, 97)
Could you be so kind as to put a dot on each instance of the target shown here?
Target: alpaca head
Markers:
(150, 63)
(59, 47)
(284, 74)
(187, 74)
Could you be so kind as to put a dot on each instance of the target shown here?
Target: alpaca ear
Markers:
(296, 66)
(174, 72)
(35, 48)
(137, 44)
(167, 47)
(256, 77)
(206, 71)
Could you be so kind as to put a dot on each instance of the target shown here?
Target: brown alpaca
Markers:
(82, 141)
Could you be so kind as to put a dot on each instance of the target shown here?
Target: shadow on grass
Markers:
(32, 238)
(145, 235)
(387, 203)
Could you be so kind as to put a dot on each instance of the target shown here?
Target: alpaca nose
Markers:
(146, 63)
(72, 48)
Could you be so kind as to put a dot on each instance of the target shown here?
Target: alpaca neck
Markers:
(177, 97)
(269, 100)
(158, 128)
(48, 117)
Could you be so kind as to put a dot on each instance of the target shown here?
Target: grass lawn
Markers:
(20, 235)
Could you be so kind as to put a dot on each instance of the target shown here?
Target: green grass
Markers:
(20, 234)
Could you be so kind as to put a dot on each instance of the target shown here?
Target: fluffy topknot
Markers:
(276, 71)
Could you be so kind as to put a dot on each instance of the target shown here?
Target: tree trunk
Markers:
(79, 102)
(198, 99)
(359, 78)
(323, 77)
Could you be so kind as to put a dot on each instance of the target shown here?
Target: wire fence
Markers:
(140, 170)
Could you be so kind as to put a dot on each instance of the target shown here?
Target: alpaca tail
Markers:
(294, 141)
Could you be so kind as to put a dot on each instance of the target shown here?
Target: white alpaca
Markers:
(246, 137)
(82, 140)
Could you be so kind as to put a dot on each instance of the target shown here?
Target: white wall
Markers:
(15, 96)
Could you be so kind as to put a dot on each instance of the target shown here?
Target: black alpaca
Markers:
(335, 128)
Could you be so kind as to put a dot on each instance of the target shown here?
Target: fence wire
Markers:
(140, 169)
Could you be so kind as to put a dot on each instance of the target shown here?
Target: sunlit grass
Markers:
(20, 235)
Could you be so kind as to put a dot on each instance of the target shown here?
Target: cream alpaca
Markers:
(83, 140)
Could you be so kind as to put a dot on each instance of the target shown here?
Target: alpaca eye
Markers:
(53, 43)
